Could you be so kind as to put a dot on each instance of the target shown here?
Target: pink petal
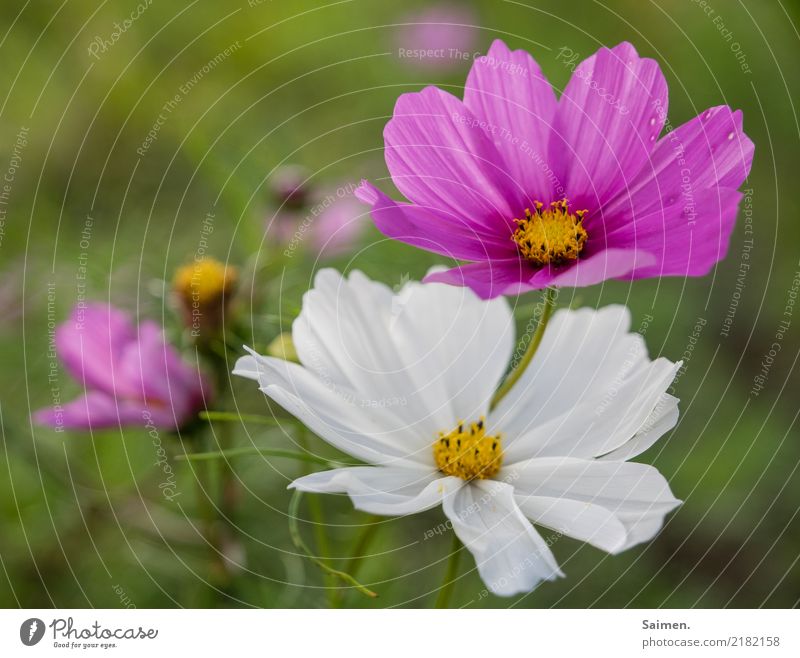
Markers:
(711, 149)
(92, 411)
(588, 271)
(488, 279)
(509, 91)
(686, 240)
(606, 125)
(93, 338)
(454, 237)
(153, 371)
(440, 158)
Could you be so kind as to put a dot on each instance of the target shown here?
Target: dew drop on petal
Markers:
(730, 136)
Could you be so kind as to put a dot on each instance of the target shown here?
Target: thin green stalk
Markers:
(318, 518)
(233, 417)
(448, 584)
(297, 539)
(269, 452)
(228, 489)
(533, 345)
(362, 542)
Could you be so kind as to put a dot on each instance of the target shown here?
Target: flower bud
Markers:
(204, 290)
(282, 347)
(289, 187)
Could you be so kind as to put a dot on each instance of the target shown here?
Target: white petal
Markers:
(382, 490)
(436, 349)
(453, 342)
(582, 351)
(338, 415)
(342, 336)
(579, 520)
(637, 494)
(510, 554)
(662, 419)
(247, 366)
(604, 420)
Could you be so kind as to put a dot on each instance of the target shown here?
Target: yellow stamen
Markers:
(550, 235)
(468, 452)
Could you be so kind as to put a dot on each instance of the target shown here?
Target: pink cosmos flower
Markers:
(542, 191)
(131, 375)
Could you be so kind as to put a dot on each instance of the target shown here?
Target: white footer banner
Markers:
(402, 633)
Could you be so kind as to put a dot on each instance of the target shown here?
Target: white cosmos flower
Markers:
(391, 378)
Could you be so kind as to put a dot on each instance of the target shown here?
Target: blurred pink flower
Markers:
(325, 221)
(131, 375)
(440, 37)
(338, 226)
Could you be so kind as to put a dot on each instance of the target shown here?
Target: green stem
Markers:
(298, 541)
(446, 590)
(219, 570)
(533, 345)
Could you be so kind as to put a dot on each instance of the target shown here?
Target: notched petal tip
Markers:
(367, 193)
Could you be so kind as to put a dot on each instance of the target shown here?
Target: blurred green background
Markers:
(82, 522)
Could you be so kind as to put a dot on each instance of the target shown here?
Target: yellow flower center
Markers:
(550, 235)
(204, 282)
(468, 452)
